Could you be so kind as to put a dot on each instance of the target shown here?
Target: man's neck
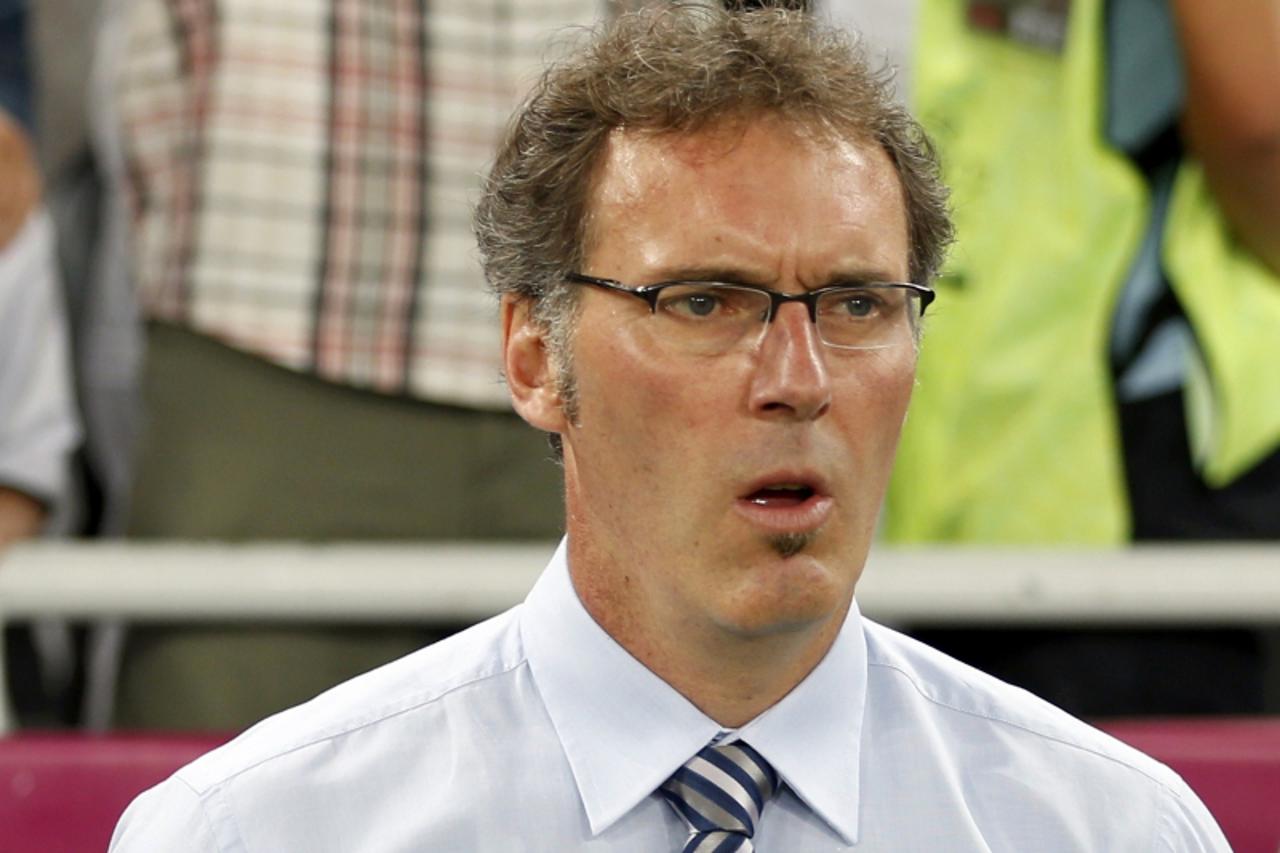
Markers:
(729, 676)
(733, 680)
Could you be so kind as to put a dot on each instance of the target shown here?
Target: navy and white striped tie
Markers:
(720, 793)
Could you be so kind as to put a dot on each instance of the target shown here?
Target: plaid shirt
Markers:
(302, 173)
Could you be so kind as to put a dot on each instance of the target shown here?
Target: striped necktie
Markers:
(720, 793)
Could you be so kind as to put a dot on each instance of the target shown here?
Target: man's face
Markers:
(692, 480)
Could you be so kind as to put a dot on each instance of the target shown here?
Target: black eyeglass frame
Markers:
(650, 293)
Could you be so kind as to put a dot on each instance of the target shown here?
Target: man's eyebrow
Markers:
(861, 275)
(713, 272)
(744, 275)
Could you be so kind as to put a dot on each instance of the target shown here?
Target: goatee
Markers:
(790, 544)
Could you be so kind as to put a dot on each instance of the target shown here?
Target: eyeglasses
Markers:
(711, 317)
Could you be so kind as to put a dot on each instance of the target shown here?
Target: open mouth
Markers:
(786, 502)
(781, 495)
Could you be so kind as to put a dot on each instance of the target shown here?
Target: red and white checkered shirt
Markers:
(302, 174)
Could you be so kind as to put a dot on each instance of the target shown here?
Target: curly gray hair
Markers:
(676, 69)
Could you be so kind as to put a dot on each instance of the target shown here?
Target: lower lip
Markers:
(803, 517)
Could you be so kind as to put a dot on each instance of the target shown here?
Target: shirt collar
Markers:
(813, 735)
(624, 730)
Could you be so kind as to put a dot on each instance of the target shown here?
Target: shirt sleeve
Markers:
(39, 425)
(1186, 826)
(169, 817)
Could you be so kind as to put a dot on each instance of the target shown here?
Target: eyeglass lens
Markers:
(714, 318)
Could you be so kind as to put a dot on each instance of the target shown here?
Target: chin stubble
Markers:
(790, 544)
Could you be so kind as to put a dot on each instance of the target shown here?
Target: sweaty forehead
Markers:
(639, 158)
(767, 182)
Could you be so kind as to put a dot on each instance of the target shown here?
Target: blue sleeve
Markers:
(15, 67)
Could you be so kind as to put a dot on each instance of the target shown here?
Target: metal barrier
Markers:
(452, 583)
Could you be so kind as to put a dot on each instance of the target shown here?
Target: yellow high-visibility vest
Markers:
(1012, 435)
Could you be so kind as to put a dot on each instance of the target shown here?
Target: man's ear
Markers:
(531, 373)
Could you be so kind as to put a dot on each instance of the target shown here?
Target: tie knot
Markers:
(720, 793)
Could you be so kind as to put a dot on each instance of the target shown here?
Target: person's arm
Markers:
(1231, 52)
(38, 422)
(19, 180)
(20, 516)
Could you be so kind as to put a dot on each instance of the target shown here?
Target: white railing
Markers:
(453, 583)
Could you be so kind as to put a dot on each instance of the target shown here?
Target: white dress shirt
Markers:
(39, 426)
(536, 731)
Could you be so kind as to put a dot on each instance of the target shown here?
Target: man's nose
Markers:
(791, 379)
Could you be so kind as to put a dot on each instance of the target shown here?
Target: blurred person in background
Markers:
(321, 361)
(1101, 371)
(39, 424)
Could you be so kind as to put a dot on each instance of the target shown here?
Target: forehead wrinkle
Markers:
(739, 234)
(642, 169)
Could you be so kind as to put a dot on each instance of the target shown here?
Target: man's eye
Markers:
(695, 304)
(858, 305)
